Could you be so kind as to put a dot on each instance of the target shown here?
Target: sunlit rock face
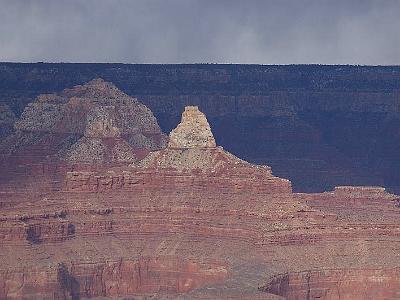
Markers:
(193, 131)
(68, 111)
(101, 141)
(192, 151)
(94, 122)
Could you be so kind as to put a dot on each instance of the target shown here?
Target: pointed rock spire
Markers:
(193, 131)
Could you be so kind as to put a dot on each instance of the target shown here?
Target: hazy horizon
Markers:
(353, 32)
(194, 63)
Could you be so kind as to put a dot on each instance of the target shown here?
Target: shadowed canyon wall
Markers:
(319, 126)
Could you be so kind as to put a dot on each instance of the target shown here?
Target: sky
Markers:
(365, 32)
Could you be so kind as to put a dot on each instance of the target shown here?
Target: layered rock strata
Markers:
(101, 141)
(319, 126)
(192, 221)
(337, 284)
(92, 122)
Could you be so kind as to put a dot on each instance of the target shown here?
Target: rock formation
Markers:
(193, 131)
(190, 221)
(337, 284)
(192, 147)
(319, 126)
(101, 141)
(92, 122)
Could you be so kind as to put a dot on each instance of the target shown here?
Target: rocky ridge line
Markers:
(94, 122)
(192, 147)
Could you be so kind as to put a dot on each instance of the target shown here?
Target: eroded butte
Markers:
(100, 205)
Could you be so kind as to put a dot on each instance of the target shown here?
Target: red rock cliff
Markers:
(191, 221)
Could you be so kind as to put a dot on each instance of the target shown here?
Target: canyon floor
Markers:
(97, 202)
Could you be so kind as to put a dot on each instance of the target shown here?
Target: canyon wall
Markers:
(187, 221)
(337, 285)
(319, 126)
(163, 226)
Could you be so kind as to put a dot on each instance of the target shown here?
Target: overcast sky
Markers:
(201, 31)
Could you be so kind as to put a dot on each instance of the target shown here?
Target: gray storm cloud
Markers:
(201, 31)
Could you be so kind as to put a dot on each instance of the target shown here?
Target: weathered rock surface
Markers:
(111, 279)
(190, 221)
(337, 284)
(92, 122)
(101, 141)
(193, 131)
